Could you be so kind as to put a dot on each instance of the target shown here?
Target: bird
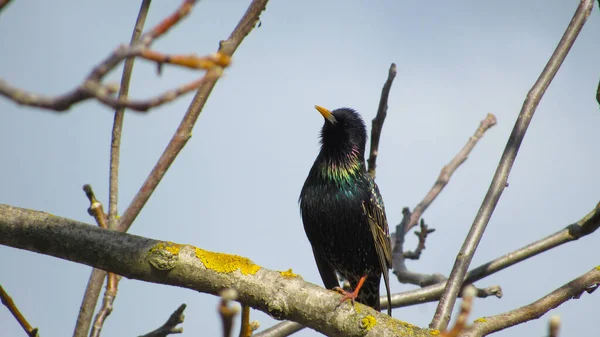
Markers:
(343, 212)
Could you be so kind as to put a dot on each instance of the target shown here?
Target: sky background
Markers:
(234, 188)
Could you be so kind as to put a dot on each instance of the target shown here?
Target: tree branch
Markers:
(464, 257)
(587, 282)
(448, 170)
(377, 123)
(170, 326)
(91, 87)
(194, 268)
(184, 131)
(10, 305)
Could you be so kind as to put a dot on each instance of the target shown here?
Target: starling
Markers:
(343, 213)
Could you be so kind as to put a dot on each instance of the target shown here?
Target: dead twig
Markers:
(465, 255)
(10, 305)
(377, 123)
(170, 326)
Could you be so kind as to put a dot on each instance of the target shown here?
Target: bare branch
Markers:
(448, 170)
(91, 87)
(88, 303)
(281, 329)
(115, 144)
(10, 305)
(377, 123)
(197, 269)
(422, 235)
(465, 309)
(112, 282)
(170, 326)
(246, 327)
(184, 131)
(92, 291)
(572, 290)
(457, 276)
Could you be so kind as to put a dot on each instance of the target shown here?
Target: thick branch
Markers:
(572, 290)
(280, 294)
(465, 255)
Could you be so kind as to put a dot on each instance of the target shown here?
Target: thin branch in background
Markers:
(10, 305)
(465, 310)
(91, 87)
(170, 326)
(422, 235)
(465, 255)
(587, 282)
(226, 312)
(184, 131)
(553, 326)
(117, 131)
(449, 169)
(96, 210)
(112, 282)
(281, 329)
(247, 327)
(377, 123)
(598, 90)
(145, 104)
(191, 61)
(92, 291)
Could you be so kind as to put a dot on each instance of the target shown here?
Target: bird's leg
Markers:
(351, 295)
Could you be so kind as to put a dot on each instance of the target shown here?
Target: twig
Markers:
(184, 130)
(10, 305)
(465, 310)
(170, 326)
(112, 281)
(377, 123)
(457, 276)
(91, 87)
(553, 326)
(449, 169)
(92, 291)
(88, 303)
(572, 290)
(281, 329)
(422, 235)
(246, 327)
(227, 313)
(115, 145)
(96, 210)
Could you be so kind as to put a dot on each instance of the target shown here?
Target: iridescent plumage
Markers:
(342, 210)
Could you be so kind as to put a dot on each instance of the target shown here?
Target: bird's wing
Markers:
(328, 275)
(375, 213)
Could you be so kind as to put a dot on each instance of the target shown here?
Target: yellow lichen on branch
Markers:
(368, 322)
(288, 273)
(226, 263)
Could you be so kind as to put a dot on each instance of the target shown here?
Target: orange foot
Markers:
(350, 295)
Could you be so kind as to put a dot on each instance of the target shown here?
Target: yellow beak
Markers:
(326, 113)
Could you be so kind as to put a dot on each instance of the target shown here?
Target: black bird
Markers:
(343, 213)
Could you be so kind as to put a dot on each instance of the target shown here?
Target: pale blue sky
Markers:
(235, 186)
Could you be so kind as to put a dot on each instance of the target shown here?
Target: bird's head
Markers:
(344, 131)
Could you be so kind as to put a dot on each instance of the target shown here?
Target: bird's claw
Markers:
(346, 295)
